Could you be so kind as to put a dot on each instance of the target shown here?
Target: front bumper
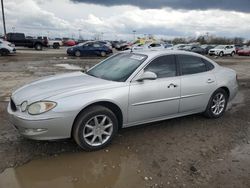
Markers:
(42, 128)
(214, 53)
(13, 51)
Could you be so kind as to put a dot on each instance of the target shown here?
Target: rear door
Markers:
(197, 83)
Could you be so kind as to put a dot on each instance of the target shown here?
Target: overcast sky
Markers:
(116, 19)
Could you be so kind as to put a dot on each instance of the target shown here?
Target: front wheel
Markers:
(4, 52)
(217, 104)
(221, 54)
(94, 128)
(77, 53)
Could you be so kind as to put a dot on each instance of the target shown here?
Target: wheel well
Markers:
(227, 91)
(113, 107)
(38, 43)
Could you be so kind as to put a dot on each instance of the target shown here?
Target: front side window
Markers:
(191, 64)
(163, 66)
(119, 67)
(96, 45)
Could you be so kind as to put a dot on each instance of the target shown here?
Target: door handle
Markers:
(172, 85)
(210, 81)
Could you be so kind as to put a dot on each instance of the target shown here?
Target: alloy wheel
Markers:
(98, 130)
(218, 104)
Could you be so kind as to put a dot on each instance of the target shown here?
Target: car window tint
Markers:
(191, 64)
(96, 45)
(163, 66)
(209, 65)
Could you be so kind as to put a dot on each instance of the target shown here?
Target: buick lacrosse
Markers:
(124, 90)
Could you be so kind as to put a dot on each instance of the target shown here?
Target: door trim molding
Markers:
(167, 99)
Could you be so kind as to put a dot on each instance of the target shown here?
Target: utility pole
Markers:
(4, 27)
(134, 31)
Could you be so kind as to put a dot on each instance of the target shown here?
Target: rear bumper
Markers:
(233, 92)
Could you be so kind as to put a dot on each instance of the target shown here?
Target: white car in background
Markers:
(149, 46)
(179, 46)
(222, 50)
(54, 43)
(6, 48)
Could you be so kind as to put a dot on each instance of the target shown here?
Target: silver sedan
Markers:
(126, 89)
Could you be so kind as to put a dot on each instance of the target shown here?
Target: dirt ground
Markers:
(185, 152)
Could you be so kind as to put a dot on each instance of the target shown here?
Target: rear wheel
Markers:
(94, 128)
(38, 46)
(217, 104)
(232, 54)
(56, 46)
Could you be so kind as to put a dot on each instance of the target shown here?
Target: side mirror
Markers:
(148, 75)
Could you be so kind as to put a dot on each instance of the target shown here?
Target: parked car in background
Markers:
(19, 40)
(69, 43)
(207, 47)
(55, 43)
(6, 48)
(179, 46)
(244, 51)
(199, 50)
(149, 46)
(169, 46)
(124, 46)
(222, 50)
(91, 48)
(238, 47)
(189, 47)
(124, 90)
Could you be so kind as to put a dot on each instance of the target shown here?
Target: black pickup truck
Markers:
(19, 40)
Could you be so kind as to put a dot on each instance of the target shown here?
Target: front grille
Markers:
(12, 105)
(212, 51)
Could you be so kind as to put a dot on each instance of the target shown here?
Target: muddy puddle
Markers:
(102, 169)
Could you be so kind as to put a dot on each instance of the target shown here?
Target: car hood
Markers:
(60, 84)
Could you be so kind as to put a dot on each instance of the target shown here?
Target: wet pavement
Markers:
(101, 169)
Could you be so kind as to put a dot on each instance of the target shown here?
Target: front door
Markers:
(155, 99)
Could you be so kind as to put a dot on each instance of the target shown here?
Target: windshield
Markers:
(119, 67)
(220, 47)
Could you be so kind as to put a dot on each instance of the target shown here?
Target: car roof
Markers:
(154, 53)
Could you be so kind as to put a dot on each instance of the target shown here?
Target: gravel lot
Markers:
(186, 152)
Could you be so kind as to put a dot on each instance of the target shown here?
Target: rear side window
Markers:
(209, 65)
(191, 64)
(163, 66)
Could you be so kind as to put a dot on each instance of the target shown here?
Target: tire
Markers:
(103, 54)
(212, 104)
(77, 53)
(221, 54)
(38, 46)
(87, 135)
(56, 46)
(4, 52)
(233, 53)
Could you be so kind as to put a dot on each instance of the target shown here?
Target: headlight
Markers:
(24, 106)
(41, 107)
